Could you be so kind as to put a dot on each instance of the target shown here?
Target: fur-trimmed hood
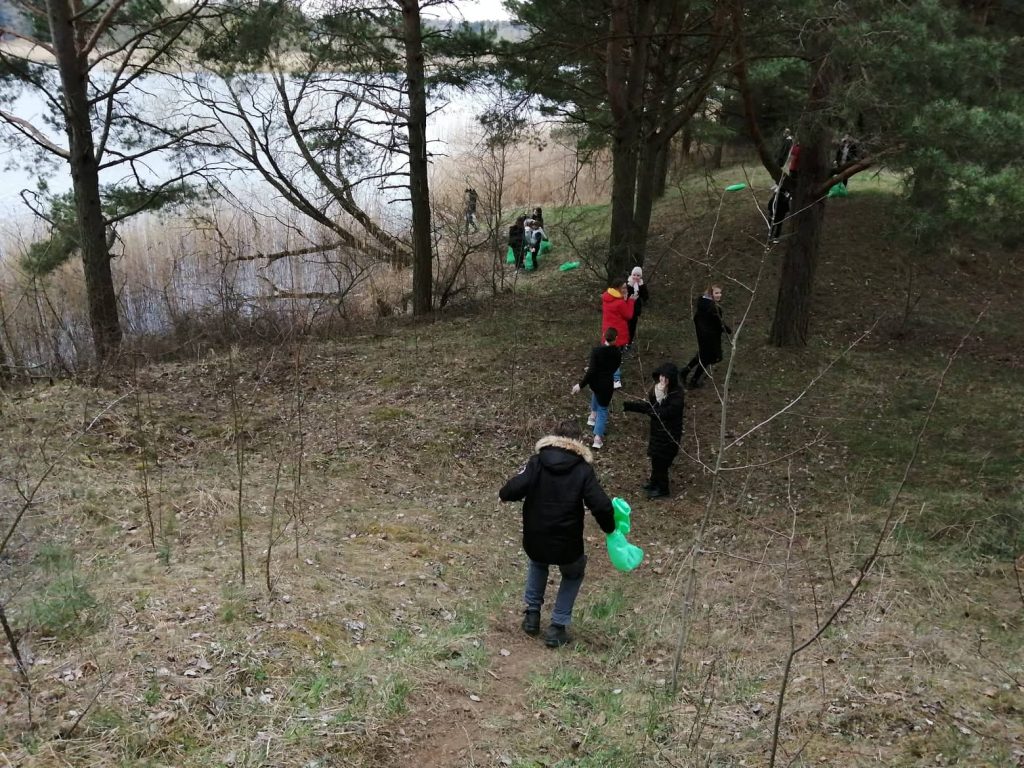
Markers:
(559, 461)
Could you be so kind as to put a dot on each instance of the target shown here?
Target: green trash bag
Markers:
(545, 246)
(622, 512)
(624, 556)
(839, 190)
(735, 187)
(569, 265)
(510, 257)
(528, 261)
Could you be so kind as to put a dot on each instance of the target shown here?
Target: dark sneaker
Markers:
(648, 486)
(531, 622)
(657, 493)
(556, 636)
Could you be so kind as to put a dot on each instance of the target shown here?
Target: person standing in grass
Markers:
(664, 404)
(599, 376)
(517, 240)
(709, 324)
(636, 289)
(617, 308)
(554, 486)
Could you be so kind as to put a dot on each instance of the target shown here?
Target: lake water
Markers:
(452, 121)
(173, 266)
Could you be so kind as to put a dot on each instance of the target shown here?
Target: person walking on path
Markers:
(556, 483)
(636, 289)
(710, 325)
(604, 361)
(664, 404)
(616, 312)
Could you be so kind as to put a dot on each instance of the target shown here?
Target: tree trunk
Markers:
(715, 163)
(791, 323)
(652, 161)
(661, 170)
(99, 282)
(793, 306)
(419, 190)
(686, 145)
(624, 167)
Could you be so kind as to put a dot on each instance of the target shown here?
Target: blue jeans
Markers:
(601, 416)
(537, 582)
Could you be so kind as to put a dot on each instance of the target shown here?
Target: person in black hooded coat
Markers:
(664, 405)
(554, 486)
(710, 325)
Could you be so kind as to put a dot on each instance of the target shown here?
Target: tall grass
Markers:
(197, 276)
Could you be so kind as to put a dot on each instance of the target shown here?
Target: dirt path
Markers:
(459, 727)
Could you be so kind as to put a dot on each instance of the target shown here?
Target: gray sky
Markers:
(474, 10)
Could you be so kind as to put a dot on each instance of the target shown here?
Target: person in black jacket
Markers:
(635, 286)
(600, 377)
(847, 153)
(664, 405)
(710, 325)
(517, 240)
(554, 486)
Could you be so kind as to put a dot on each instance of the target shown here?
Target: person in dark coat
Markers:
(538, 216)
(600, 377)
(517, 240)
(710, 325)
(778, 206)
(554, 486)
(636, 289)
(847, 153)
(470, 200)
(782, 155)
(664, 405)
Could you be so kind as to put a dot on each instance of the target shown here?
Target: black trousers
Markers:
(632, 327)
(520, 255)
(778, 209)
(699, 367)
(659, 472)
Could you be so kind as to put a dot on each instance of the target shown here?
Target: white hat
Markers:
(637, 272)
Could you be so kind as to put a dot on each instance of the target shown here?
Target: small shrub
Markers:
(65, 609)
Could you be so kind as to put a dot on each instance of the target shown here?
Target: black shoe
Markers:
(531, 622)
(699, 384)
(556, 636)
(683, 373)
(657, 492)
(648, 485)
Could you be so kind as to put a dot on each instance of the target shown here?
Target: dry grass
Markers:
(403, 598)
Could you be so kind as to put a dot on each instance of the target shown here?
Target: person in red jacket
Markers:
(616, 312)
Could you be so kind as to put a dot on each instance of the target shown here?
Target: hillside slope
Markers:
(391, 635)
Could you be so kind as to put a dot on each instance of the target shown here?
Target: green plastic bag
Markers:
(624, 556)
(545, 246)
(839, 190)
(622, 512)
(528, 261)
(569, 265)
(510, 257)
(735, 187)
